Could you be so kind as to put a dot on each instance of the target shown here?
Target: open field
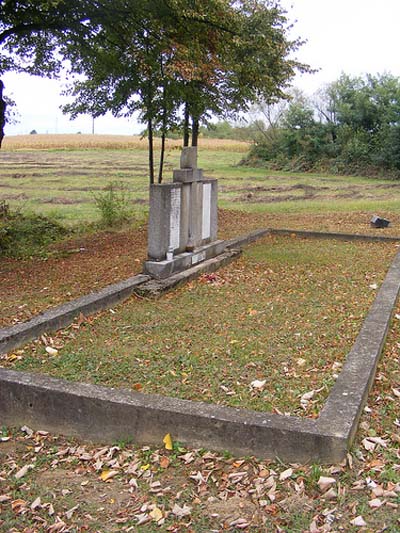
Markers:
(111, 142)
(61, 181)
(283, 314)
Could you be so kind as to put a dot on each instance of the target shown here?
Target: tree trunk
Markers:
(186, 127)
(2, 112)
(195, 131)
(163, 135)
(162, 152)
(151, 149)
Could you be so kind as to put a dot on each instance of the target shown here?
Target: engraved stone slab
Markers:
(206, 219)
(164, 219)
(175, 218)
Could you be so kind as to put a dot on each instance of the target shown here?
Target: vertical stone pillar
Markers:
(164, 231)
(209, 211)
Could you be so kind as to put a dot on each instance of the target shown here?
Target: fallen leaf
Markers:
(368, 445)
(358, 521)
(286, 474)
(258, 384)
(36, 503)
(375, 503)
(108, 474)
(51, 351)
(71, 511)
(156, 514)
(23, 471)
(180, 512)
(167, 440)
(324, 483)
(164, 462)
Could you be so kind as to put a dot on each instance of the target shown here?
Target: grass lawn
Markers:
(284, 314)
(62, 180)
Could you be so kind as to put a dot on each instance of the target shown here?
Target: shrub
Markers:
(23, 235)
(113, 205)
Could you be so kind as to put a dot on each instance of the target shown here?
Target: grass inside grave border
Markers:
(310, 344)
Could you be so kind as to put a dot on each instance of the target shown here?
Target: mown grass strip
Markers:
(260, 334)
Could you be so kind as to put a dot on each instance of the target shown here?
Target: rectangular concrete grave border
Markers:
(104, 414)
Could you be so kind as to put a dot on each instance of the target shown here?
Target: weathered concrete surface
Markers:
(62, 315)
(344, 405)
(103, 414)
(155, 287)
(185, 260)
(339, 236)
(244, 240)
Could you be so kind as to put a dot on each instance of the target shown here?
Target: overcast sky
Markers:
(352, 36)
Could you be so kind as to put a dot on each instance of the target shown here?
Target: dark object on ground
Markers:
(378, 222)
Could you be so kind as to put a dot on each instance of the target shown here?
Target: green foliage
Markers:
(354, 127)
(225, 130)
(23, 235)
(113, 205)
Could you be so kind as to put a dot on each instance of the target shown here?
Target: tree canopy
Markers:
(352, 125)
(175, 62)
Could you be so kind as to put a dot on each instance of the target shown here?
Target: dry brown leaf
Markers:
(358, 521)
(23, 471)
(375, 503)
(286, 474)
(164, 462)
(325, 483)
(180, 512)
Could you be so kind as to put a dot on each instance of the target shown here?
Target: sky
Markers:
(351, 36)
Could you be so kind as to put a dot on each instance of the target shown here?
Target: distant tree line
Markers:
(351, 126)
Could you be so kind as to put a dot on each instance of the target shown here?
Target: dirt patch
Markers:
(20, 196)
(233, 509)
(61, 201)
(84, 487)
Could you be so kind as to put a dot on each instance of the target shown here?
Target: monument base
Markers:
(166, 268)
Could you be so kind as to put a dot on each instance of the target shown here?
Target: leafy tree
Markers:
(179, 63)
(353, 125)
(33, 32)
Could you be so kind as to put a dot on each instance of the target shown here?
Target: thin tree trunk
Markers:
(162, 152)
(151, 149)
(163, 135)
(186, 126)
(195, 131)
(2, 112)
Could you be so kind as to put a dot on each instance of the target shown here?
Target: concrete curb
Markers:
(339, 236)
(104, 414)
(62, 315)
(156, 287)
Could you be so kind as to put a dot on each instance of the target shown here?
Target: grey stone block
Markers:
(187, 175)
(166, 268)
(164, 219)
(196, 214)
(107, 415)
(189, 157)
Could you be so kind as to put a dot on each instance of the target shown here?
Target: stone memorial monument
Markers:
(183, 220)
